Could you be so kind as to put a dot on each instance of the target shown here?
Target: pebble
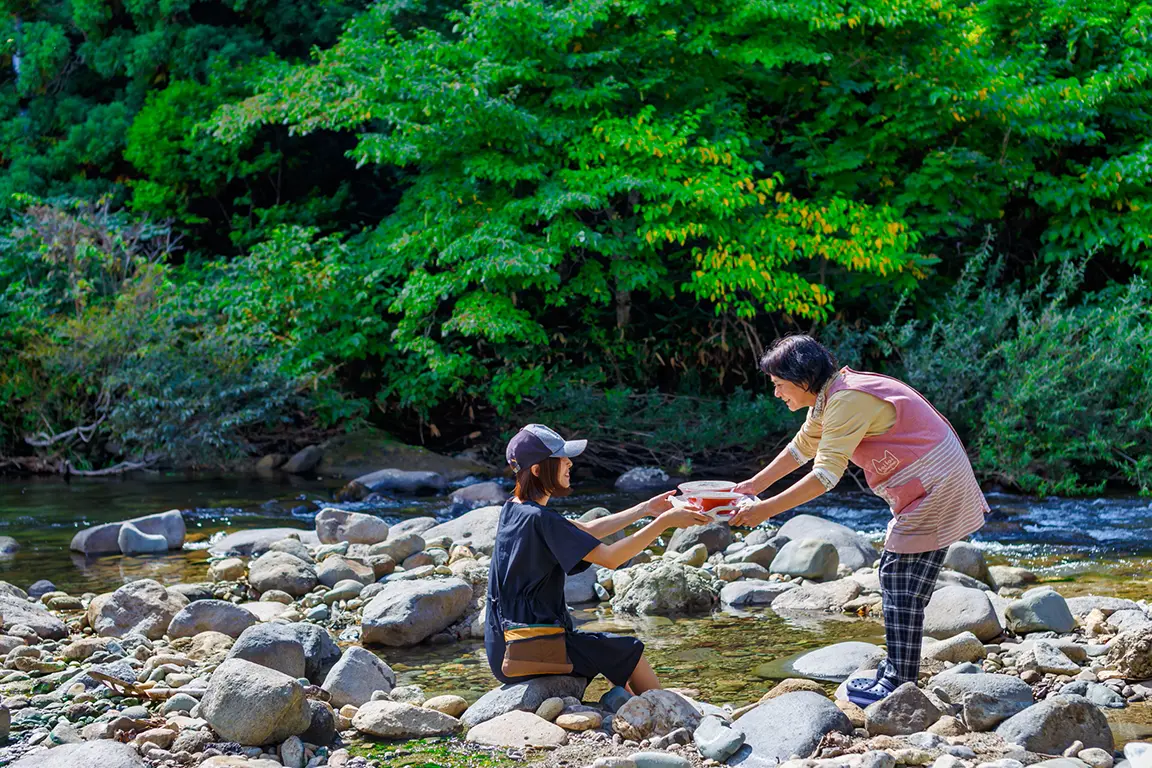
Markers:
(1074, 749)
(1096, 757)
(550, 709)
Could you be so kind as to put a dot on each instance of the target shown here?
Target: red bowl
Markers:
(710, 500)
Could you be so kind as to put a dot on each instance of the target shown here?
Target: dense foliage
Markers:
(285, 215)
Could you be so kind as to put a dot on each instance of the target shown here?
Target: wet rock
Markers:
(15, 612)
(254, 705)
(395, 720)
(714, 536)
(986, 699)
(739, 594)
(968, 559)
(905, 711)
(336, 525)
(654, 713)
(526, 696)
(402, 481)
(958, 648)
(8, 546)
(258, 541)
(716, 739)
(1129, 653)
(518, 729)
(808, 558)
(828, 597)
(1039, 610)
(104, 753)
(303, 461)
(643, 479)
(955, 610)
(664, 588)
(141, 607)
(836, 662)
(282, 571)
(37, 590)
(210, 616)
(407, 612)
(1050, 726)
(133, 541)
(358, 675)
(854, 550)
(478, 495)
(787, 725)
(105, 539)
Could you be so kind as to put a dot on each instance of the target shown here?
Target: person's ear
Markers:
(536, 470)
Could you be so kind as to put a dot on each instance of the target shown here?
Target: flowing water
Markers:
(1099, 546)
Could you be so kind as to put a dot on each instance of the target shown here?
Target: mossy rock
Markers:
(365, 451)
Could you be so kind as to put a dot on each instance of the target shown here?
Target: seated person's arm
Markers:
(615, 555)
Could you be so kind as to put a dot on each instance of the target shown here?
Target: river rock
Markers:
(36, 590)
(16, 612)
(394, 720)
(1039, 610)
(716, 739)
(757, 554)
(518, 729)
(402, 481)
(958, 648)
(986, 699)
(141, 607)
(809, 558)
(297, 649)
(526, 696)
(105, 753)
(739, 594)
(449, 704)
(1047, 659)
(580, 587)
(1126, 620)
(954, 610)
(105, 539)
(133, 541)
(1053, 724)
(947, 578)
(254, 705)
(334, 569)
(714, 536)
(828, 597)
(1130, 653)
(479, 495)
(335, 525)
(1098, 694)
(905, 711)
(643, 479)
(358, 675)
(282, 571)
(476, 529)
(654, 713)
(228, 569)
(853, 549)
(1082, 606)
(407, 612)
(210, 616)
(968, 559)
(413, 525)
(788, 725)
(1010, 576)
(303, 461)
(664, 588)
(259, 540)
(836, 662)
(400, 547)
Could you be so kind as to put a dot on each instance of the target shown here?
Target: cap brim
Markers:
(571, 448)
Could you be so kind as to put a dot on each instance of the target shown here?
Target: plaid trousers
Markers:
(906, 584)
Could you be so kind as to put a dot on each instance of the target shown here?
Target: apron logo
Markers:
(886, 464)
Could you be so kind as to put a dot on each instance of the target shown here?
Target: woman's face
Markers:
(793, 395)
(565, 474)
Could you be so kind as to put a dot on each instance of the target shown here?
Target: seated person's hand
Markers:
(657, 504)
(684, 517)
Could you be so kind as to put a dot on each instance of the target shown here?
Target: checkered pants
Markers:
(906, 583)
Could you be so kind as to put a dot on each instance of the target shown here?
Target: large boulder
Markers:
(954, 610)
(254, 705)
(394, 720)
(258, 541)
(715, 536)
(282, 571)
(905, 711)
(654, 713)
(1039, 610)
(303, 461)
(827, 597)
(404, 613)
(335, 525)
(836, 662)
(402, 481)
(526, 697)
(16, 610)
(211, 616)
(479, 495)
(358, 675)
(986, 700)
(792, 724)
(809, 558)
(1082, 606)
(477, 529)
(518, 729)
(741, 594)
(141, 607)
(105, 753)
(643, 479)
(854, 550)
(968, 559)
(105, 539)
(133, 541)
(298, 650)
(664, 588)
(1051, 726)
(1130, 653)
(580, 587)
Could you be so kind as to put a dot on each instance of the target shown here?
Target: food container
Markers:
(715, 504)
(700, 486)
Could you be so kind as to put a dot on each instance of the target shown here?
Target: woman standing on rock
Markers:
(529, 631)
(911, 457)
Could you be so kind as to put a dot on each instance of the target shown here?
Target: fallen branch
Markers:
(118, 469)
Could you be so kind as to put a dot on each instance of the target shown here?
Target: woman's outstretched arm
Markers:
(606, 526)
(615, 555)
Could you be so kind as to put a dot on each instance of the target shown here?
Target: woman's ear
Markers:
(536, 470)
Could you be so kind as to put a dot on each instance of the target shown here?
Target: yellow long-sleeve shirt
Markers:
(835, 426)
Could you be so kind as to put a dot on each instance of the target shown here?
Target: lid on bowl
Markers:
(700, 486)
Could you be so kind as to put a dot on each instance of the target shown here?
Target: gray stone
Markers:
(402, 481)
(968, 559)
(1010, 576)
(336, 525)
(273, 646)
(279, 570)
(334, 569)
(654, 713)
(905, 711)
(181, 702)
(714, 536)
(853, 549)
(36, 590)
(526, 697)
(396, 720)
(1126, 620)
(105, 753)
(105, 539)
(477, 529)
(210, 616)
(1060, 762)
(407, 612)
(8, 546)
(664, 588)
(293, 546)
(479, 495)
(717, 740)
(808, 558)
(518, 729)
(986, 699)
(141, 607)
(358, 675)
(827, 597)
(1049, 659)
(1039, 610)
(962, 647)
(739, 594)
(1130, 652)
(303, 461)
(413, 525)
(399, 547)
(643, 479)
(757, 554)
(581, 587)
(1100, 695)
(655, 759)
(792, 724)
(15, 611)
(1053, 724)
(322, 726)
(133, 541)
(954, 610)
(1082, 606)
(956, 579)
(254, 705)
(258, 541)
(836, 662)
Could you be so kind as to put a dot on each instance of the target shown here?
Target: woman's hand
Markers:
(657, 504)
(750, 514)
(683, 517)
(747, 487)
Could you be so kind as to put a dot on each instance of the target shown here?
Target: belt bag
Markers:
(535, 649)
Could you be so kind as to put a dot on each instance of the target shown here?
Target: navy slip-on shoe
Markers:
(862, 692)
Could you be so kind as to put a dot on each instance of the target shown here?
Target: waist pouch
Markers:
(535, 649)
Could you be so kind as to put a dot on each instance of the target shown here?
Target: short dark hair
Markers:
(801, 360)
(530, 487)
